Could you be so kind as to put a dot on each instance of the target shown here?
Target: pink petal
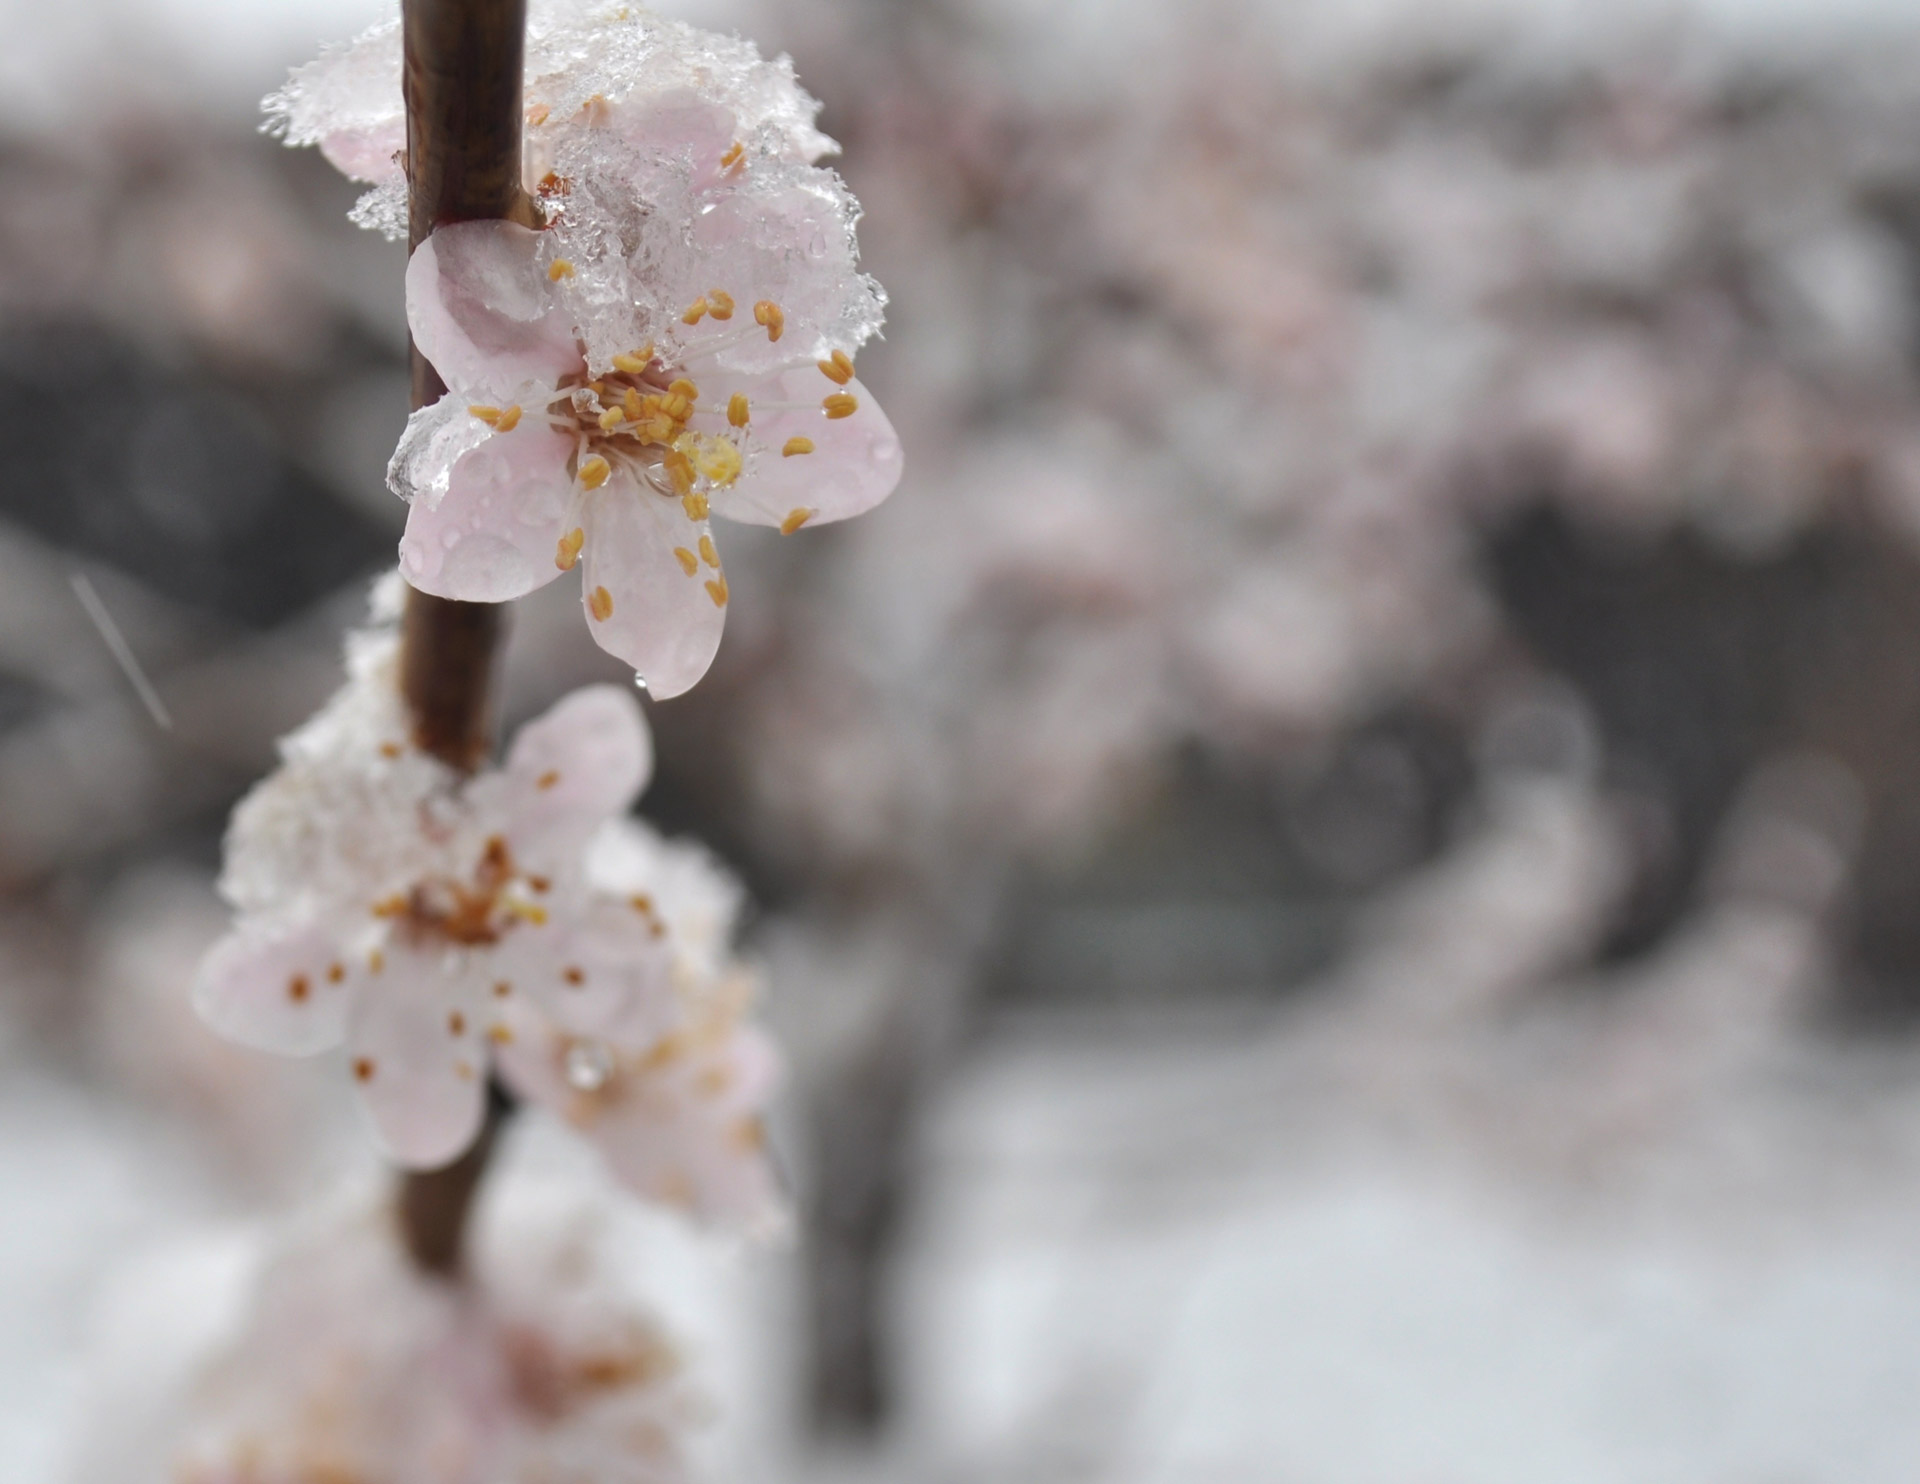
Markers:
(368, 152)
(663, 621)
(481, 310)
(678, 128)
(583, 761)
(494, 535)
(680, 1128)
(416, 1050)
(276, 991)
(606, 974)
(855, 462)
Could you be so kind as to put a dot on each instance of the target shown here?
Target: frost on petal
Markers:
(417, 1053)
(677, 135)
(494, 533)
(274, 989)
(481, 310)
(643, 604)
(784, 234)
(431, 444)
(586, 759)
(853, 463)
(349, 103)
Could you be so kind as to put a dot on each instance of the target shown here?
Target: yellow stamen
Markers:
(297, 988)
(707, 553)
(681, 387)
(689, 563)
(363, 1068)
(840, 404)
(488, 415)
(676, 407)
(767, 313)
(679, 470)
(600, 604)
(568, 551)
(538, 114)
(720, 304)
(715, 457)
(717, 590)
(839, 370)
(737, 409)
(560, 268)
(736, 152)
(508, 420)
(548, 779)
(611, 418)
(695, 312)
(635, 409)
(796, 445)
(456, 1023)
(594, 471)
(635, 363)
(695, 506)
(499, 1034)
(796, 518)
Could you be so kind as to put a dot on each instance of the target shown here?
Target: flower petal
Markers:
(416, 1051)
(642, 603)
(854, 465)
(582, 762)
(282, 991)
(494, 534)
(482, 312)
(608, 973)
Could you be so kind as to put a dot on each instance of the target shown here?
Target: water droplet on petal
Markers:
(588, 1066)
(639, 680)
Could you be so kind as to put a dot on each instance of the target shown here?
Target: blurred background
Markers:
(1340, 867)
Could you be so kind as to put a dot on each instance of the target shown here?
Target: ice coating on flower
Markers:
(348, 101)
(352, 1366)
(675, 341)
(538, 460)
(436, 926)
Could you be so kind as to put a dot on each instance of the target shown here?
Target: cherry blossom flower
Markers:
(677, 342)
(531, 465)
(436, 925)
(350, 1365)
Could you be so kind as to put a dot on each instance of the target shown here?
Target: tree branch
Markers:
(462, 81)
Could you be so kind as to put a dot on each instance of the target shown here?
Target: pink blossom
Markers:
(352, 1366)
(438, 926)
(408, 936)
(531, 465)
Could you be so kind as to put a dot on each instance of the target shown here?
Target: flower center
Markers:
(474, 913)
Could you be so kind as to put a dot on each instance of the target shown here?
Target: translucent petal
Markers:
(855, 462)
(583, 761)
(677, 133)
(482, 311)
(418, 1054)
(660, 618)
(494, 533)
(276, 990)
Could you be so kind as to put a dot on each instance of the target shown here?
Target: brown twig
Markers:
(462, 83)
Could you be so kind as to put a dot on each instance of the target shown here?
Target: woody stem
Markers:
(462, 81)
